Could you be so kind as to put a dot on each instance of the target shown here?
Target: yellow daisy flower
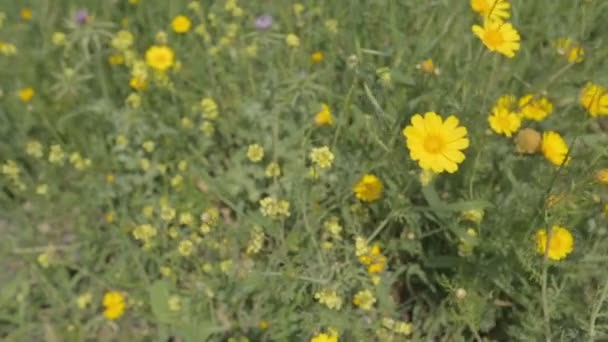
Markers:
(181, 24)
(368, 188)
(594, 98)
(561, 242)
(503, 121)
(324, 117)
(114, 305)
(492, 9)
(554, 148)
(160, 58)
(499, 36)
(436, 144)
(535, 107)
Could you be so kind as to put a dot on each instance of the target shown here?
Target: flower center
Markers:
(494, 38)
(503, 121)
(433, 144)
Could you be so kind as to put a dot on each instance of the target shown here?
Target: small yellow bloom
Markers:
(503, 121)
(573, 51)
(429, 67)
(317, 57)
(331, 25)
(44, 259)
(492, 9)
(324, 117)
(34, 148)
(364, 300)
(554, 148)
(160, 58)
(185, 247)
(498, 36)
(368, 188)
(84, 300)
(138, 83)
(116, 59)
(561, 242)
(26, 94)
(594, 98)
(56, 154)
(174, 303)
(58, 39)
(26, 14)
(535, 107)
(148, 146)
(324, 338)
(292, 40)
(114, 305)
(123, 40)
(528, 141)
(322, 157)
(601, 176)
(255, 153)
(298, 8)
(181, 24)
(273, 170)
(42, 189)
(329, 298)
(264, 325)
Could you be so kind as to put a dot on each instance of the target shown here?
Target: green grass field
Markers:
(320, 171)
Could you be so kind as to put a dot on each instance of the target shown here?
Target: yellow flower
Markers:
(371, 257)
(436, 144)
(273, 170)
(255, 153)
(26, 94)
(185, 247)
(594, 98)
(273, 208)
(34, 149)
(116, 59)
(42, 189)
(429, 67)
(528, 141)
(138, 83)
(492, 9)
(503, 121)
(317, 57)
(181, 24)
(554, 148)
(506, 101)
(84, 300)
(292, 40)
(561, 242)
(114, 305)
(174, 303)
(298, 8)
(602, 176)
(209, 108)
(332, 26)
(324, 117)
(322, 157)
(148, 146)
(160, 58)
(56, 155)
(123, 40)
(498, 36)
(26, 13)
(535, 107)
(58, 38)
(329, 298)
(364, 300)
(368, 188)
(324, 338)
(573, 52)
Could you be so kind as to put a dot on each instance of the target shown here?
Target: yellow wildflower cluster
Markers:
(496, 34)
(371, 257)
(364, 299)
(145, 233)
(274, 208)
(114, 305)
(329, 298)
(322, 157)
(256, 241)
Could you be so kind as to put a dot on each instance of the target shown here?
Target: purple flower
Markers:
(81, 17)
(263, 22)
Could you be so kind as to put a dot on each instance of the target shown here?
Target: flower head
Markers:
(528, 141)
(368, 188)
(81, 17)
(492, 9)
(561, 242)
(322, 157)
(535, 107)
(594, 98)
(263, 22)
(503, 121)
(160, 58)
(324, 117)
(292, 40)
(436, 144)
(329, 298)
(554, 148)
(498, 36)
(181, 24)
(26, 94)
(114, 305)
(364, 300)
(255, 153)
(601, 176)
(573, 51)
(429, 67)
(324, 338)
(317, 57)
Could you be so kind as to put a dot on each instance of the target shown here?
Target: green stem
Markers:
(596, 311)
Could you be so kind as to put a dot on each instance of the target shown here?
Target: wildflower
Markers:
(56, 154)
(114, 305)
(123, 40)
(594, 98)
(317, 57)
(181, 24)
(368, 188)
(324, 117)
(492, 9)
(174, 303)
(209, 107)
(473, 215)
(84, 300)
(264, 325)
(298, 8)
(322, 157)
(498, 36)
(332, 225)
(602, 176)
(167, 213)
(561, 242)
(255, 153)
(138, 83)
(34, 148)
(331, 25)
(26, 14)
(144, 233)
(554, 148)
(81, 17)
(26, 94)
(185, 247)
(273, 208)
(273, 170)
(535, 107)
(177, 181)
(160, 58)
(436, 144)
(58, 38)
(42, 189)
(292, 40)
(182, 165)
(429, 67)
(44, 259)
(573, 52)
(324, 338)
(461, 293)
(148, 146)
(503, 121)
(186, 123)
(116, 59)
(364, 300)
(371, 257)
(508, 102)
(211, 216)
(133, 100)
(256, 241)
(528, 141)
(329, 298)
(263, 22)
